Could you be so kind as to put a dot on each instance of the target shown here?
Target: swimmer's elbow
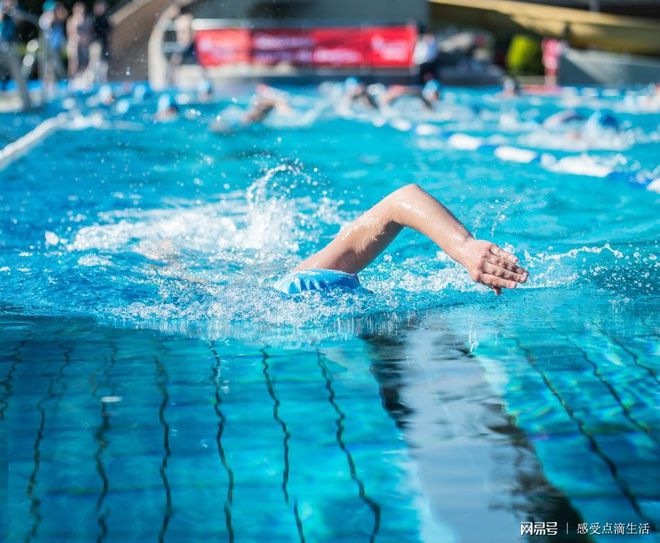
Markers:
(400, 200)
(410, 189)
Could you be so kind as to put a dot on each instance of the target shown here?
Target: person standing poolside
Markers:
(102, 28)
(51, 25)
(360, 242)
(8, 38)
(182, 19)
(425, 56)
(80, 33)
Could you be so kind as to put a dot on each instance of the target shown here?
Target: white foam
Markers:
(465, 142)
(426, 129)
(654, 185)
(581, 165)
(260, 221)
(515, 154)
(51, 238)
(402, 125)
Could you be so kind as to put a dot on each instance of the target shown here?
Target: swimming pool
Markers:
(155, 386)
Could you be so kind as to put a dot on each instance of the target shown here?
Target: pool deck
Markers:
(9, 103)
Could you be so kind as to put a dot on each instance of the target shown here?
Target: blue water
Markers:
(155, 386)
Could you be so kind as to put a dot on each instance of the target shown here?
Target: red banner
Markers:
(223, 46)
(376, 47)
(275, 46)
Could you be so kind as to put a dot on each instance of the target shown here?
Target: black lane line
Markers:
(222, 420)
(161, 383)
(596, 372)
(101, 438)
(299, 524)
(35, 501)
(631, 353)
(8, 381)
(593, 444)
(339, 423)
(286, 436)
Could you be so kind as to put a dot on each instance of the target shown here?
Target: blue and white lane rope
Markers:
(508, 153)
(23, 145)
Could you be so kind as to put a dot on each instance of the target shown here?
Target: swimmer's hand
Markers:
(491, 265)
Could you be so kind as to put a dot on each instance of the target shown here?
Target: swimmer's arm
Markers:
(427, 103)
(276, 98)
(363, 240)
(395, 92)
(368, 99)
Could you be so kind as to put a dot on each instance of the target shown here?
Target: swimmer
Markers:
(568, 117)
(429, 94)
(104, 97)
(140, 92)
(167, 109)
(602, 120)
(356, 93)
(204, 91)
(510, 88)
(265, 101)
(359, 243)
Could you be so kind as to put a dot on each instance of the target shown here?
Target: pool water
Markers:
(156, 387)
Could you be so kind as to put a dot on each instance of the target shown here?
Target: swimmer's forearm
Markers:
(360, 242)
(413, 207)
(486, 263)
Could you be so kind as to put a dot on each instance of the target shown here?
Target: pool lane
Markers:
(118, 435)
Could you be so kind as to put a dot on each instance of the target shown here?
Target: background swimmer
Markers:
(563, 118)
(356, 93)
(167, 109)
(510, 88)
(265, 101)
(359, 243)
(429, 94)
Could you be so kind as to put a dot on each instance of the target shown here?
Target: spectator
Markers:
(425, 56)
(50, 62)
(99, 51)
(185, 40)
(102, 28)
(183, 24)
(7, 39)
(57, 40)
(7, 23)
(80, 29)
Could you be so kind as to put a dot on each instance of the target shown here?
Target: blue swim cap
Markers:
(204, 86)
(140, 91)
(606, 119)
(351, 82)
(433, 85)
(165, 102)
(48, 6)
(318, 280)
(105, 94)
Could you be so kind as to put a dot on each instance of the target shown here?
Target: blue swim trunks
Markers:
(310, 280)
